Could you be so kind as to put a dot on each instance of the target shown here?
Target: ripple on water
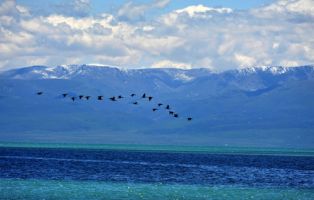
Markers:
(154, 167)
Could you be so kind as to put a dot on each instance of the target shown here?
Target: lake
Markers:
(45, 172)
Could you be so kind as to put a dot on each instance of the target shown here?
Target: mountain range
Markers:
(261, 106)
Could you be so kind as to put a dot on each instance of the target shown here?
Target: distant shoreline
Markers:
(168, 148)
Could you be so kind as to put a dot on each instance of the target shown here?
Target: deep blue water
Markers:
(154, 167)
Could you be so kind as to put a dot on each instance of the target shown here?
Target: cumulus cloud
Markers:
(190, 37)
(9, 8)
(303, 7)
(171, 64)
(78, 8)
(132, 12)
(194, 11)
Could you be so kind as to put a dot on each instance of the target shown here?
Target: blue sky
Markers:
(215, 34)
(100, 6)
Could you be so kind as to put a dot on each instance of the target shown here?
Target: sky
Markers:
(214, 34)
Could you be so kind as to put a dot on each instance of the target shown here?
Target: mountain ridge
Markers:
(246, 107)
(73, 70)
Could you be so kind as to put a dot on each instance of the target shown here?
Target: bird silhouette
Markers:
(115, 98)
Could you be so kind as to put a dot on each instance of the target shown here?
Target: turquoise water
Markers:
(43, 189)
(76, 171)
(169, 148)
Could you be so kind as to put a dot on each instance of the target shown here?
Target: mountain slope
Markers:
(266, 106)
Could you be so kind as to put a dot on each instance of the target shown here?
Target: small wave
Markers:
(111, 161)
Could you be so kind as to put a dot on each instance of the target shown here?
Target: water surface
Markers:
(32, 173)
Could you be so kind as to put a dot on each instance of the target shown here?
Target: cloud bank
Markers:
(191, 37)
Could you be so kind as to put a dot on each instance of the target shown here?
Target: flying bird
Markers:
(114, 98)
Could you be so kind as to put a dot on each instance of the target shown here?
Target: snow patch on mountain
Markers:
(183, 77)
(101, 71)
(271, 69)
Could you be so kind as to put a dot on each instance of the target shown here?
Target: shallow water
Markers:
(35, 173)
(43, 189)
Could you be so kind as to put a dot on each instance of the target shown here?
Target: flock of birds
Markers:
(159, 106)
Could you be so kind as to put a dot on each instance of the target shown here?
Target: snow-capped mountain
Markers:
(262, 106)
(97, 71)
(248, 79)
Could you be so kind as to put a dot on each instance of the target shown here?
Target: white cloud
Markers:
(294, 6)
(245, 61)
(289, 63)
(171, 64)
(136, 12)
(195, 36)
(161, 3)
(23, 10)
(7, 6)
(193, 11)
(77, 8)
